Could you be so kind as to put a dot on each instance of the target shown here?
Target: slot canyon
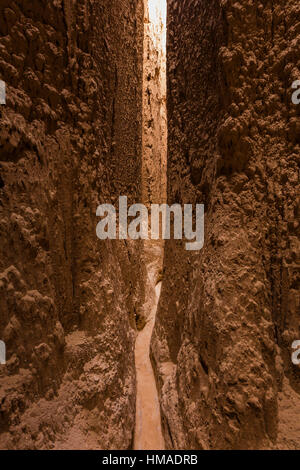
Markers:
(124, 344)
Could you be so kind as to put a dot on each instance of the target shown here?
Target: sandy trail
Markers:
(148, 433)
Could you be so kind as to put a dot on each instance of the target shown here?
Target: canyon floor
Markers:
(148, 432)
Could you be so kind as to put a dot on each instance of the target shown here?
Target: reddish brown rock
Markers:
(154, 104)
(70, 138)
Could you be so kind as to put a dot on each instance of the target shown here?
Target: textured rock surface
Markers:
(70, 138)
(229, 314)
(154, 104)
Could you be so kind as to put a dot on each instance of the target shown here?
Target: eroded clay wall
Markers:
(154, 104)
(228, 314)
(70, 138)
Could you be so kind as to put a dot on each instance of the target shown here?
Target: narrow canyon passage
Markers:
(148, 432)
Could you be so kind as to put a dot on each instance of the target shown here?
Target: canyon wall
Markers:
(154, 105)
(229, 313)
(70, 138)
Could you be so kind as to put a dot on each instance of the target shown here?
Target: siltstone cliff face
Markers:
(70, 138)
(154, 107)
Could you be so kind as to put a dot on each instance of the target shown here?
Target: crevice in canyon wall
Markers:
(148, 433)
(228, 315)
(70, 139)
